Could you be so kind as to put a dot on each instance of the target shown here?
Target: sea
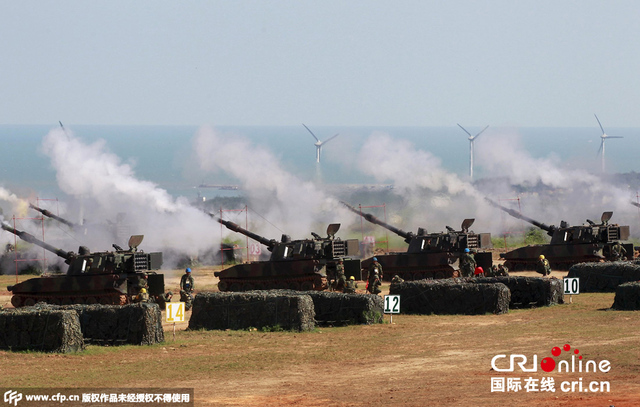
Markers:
(162, 154)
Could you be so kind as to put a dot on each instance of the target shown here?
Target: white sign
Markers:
(391, 304)
(175, 312)
(255, 249)
(571, 286)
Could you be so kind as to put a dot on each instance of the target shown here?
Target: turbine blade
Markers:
(601, 128)
(481, 131)
(465, 130)
(607, 136)
(329, 139)
(600, 149)
(314, 136)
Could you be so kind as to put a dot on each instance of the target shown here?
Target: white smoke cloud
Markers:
(295, 206)
(108, 187)
(568, 193)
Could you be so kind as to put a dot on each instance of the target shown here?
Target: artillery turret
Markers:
(430, 255)
(568, 245)
(113, 277)
(294, 264)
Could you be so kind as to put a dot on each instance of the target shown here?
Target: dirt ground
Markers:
(417, 360)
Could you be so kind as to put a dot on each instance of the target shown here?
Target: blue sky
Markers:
(394, 63)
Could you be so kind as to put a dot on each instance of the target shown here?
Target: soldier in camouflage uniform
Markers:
(467, 264)
(618, 252)
(543, 266)
(503, 271)
(375, 277)
(142, 296)
(340, 277)
(492, 272)
(350, 286)
(186, 289)
(397, 279)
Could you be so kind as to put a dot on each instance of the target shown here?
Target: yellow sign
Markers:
(175, 312)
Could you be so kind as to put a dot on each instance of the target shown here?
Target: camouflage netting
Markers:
(347, 309)
(604, 277)
(627, 297)
(529, 291)
(133, 324)
(46, 330)
(451, 296)
(258, 309)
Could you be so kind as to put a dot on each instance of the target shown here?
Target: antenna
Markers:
(471, 140)
(603, 137)
(319, 143)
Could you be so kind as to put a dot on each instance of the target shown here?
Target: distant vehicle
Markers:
(569, 244)
(294, 264)
(430, 255)
(101, 277)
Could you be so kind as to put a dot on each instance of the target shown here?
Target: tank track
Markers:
(307, 283)
(413, 273)
(530, 264)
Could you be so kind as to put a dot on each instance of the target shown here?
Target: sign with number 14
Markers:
(175, 312)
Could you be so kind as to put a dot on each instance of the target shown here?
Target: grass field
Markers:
(417, 360)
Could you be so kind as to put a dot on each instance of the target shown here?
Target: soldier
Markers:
(478, 272)
(467, 263)
(376, 267)
(350, 286)
(375, 277)
(618, 252)
(543, 266)
(503, 271)
(397, 279)
(142, 296)
(340, 277)
(186, 288)
(492, 272)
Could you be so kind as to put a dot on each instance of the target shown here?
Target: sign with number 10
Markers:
(571, 286)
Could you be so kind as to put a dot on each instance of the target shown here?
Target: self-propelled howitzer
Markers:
(430, 255)
(294, 264)
(569, 245)
(113, 277)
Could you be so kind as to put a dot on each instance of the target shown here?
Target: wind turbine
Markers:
(602, 139)
(319, 143)
(471, 140)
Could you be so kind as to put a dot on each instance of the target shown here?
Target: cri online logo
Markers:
(12, 397)
(548, 364)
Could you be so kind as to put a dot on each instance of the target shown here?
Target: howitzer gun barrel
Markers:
(270, 243)
(32, 239)
(518, 215)
(373, 219)
(52, 216)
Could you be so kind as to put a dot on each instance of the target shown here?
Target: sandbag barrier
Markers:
(528, 292)
(132, 324)
(253, 309)
(332, 308)
(627, 297)
(604, 277)
(451, 296)
(46, 330)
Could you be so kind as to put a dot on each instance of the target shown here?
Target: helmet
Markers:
(188, 270)
(143, 291)
(352, 278)
(466, 250)
(375, 259)
(542, 257)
